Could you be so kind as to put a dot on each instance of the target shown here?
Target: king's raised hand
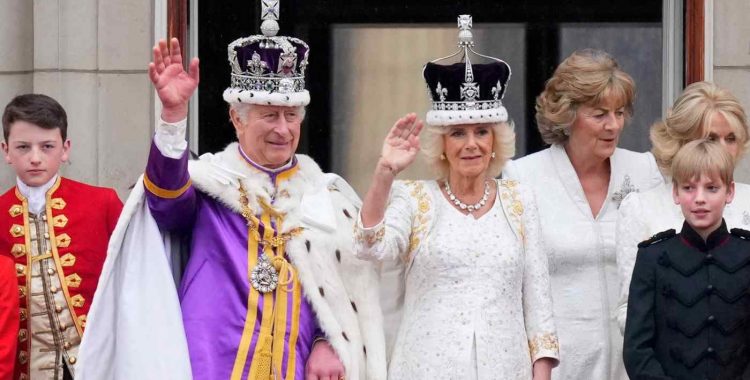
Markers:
(401, 146)
(173, 84)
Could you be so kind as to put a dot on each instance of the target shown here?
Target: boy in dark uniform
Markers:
(690, 295)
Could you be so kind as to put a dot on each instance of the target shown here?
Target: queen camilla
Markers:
(476, 299)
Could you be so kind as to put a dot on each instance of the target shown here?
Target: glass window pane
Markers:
(637, 47)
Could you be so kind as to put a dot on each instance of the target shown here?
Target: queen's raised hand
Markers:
(401, 146)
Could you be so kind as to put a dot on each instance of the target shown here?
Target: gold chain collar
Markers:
(253, 223)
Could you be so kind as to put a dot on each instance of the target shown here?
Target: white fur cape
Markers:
(134, 328)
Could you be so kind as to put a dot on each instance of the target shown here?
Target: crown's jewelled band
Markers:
(464, 106)
(283, 85)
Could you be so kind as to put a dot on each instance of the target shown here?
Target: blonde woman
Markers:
(579, 182)
(476, 301)
(703, 110)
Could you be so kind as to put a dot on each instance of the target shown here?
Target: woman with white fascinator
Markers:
(476, 301)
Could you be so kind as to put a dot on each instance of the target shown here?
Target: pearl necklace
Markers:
(464, 206)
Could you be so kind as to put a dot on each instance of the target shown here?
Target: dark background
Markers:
(222, 22)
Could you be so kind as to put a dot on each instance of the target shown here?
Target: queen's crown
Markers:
(466, 92)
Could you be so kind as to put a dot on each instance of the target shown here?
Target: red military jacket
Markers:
(8, 317)
(81, 219)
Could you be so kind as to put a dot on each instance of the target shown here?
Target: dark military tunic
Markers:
(689, 306)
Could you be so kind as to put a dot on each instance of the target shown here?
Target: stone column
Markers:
(92, 56)
(16, 62)
(731, 37)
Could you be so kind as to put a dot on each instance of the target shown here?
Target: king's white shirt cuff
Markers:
(170, 138)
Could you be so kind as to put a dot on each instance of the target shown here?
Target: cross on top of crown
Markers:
(270, 10)
(464, 22)
(465, 37)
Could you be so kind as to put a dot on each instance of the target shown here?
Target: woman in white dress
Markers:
(476, 301)
(703, 110)
(579, 182)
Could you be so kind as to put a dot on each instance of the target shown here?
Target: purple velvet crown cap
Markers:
(268, 70)
(272, 57)
(463, 95)
(452, 77)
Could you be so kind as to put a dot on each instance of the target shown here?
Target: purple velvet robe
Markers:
(214, 288)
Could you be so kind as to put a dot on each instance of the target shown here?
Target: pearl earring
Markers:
(492, 155)
(442, 156)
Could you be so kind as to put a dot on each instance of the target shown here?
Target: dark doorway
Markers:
(544, 21)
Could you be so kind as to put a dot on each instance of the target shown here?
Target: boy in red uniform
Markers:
(56, 232)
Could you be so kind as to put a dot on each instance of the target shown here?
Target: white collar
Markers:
(218, 175)
(266, 169)
(36, 196)
(572, 184)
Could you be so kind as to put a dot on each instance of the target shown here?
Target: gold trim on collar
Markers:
(164, 193)
(55, 185)
(19, 195)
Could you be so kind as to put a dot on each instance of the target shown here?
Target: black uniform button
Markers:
(709, 258)
(710, 288)
(710, 350)
(711, 318)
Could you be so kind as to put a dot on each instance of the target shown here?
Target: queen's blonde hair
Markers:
(702, 157)
(587, 76)
(433, 147)
(690, 118)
